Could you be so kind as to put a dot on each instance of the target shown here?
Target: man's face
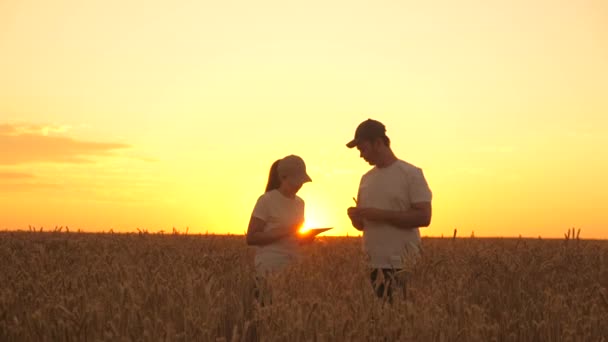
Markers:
(368, 150)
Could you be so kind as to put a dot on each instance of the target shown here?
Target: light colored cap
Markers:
(293, 167)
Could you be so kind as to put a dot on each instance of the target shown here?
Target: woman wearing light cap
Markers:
(278, 215)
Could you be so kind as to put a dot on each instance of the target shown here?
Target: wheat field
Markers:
(59, 286)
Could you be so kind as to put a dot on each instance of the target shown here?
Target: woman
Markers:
(278, 215)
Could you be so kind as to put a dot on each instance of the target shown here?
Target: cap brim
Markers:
(303, 178)
(352, 143)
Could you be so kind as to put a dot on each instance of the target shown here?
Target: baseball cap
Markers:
(367, 130)
(293, 166)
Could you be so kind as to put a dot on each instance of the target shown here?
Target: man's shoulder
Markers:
(370, 172)
(400, 165)
(407, 168)
(403, 165)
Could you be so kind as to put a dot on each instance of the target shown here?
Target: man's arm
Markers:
(419, 215)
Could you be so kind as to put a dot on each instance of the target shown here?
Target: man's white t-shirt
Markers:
(395, 187)
(279, 212)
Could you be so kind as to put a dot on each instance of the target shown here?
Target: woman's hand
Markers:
(257, 235)
(305, 238)
(280, 233)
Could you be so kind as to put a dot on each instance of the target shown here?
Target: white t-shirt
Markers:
(279, 212)
(394, 187)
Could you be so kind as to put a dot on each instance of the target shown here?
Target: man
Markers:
(393, 201)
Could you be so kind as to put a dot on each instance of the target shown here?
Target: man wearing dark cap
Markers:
(393, 201)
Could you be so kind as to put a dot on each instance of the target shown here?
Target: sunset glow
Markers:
(159, 114)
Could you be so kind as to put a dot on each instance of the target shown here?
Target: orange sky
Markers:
(157, 114)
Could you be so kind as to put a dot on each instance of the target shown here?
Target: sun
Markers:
(309, 223)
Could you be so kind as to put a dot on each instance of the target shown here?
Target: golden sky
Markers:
(160, 114)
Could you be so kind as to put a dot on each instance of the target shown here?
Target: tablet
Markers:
(315, 231)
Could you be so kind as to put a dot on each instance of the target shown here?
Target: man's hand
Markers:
(371, 214)
(419, 215)
(352, 212)
(355, 217)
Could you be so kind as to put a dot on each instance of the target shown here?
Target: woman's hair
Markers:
(274, 182)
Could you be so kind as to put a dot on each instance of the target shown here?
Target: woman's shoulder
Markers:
(299, 200)
(267, 196)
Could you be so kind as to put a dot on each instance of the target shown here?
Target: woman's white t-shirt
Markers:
(394, 187)
(279, 212)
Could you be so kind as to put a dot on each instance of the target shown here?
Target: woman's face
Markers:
(291, 184)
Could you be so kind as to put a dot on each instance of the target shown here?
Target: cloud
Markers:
(20, 186)
(11, 181)
(45, 130)
(22, 144)
(15, 175)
